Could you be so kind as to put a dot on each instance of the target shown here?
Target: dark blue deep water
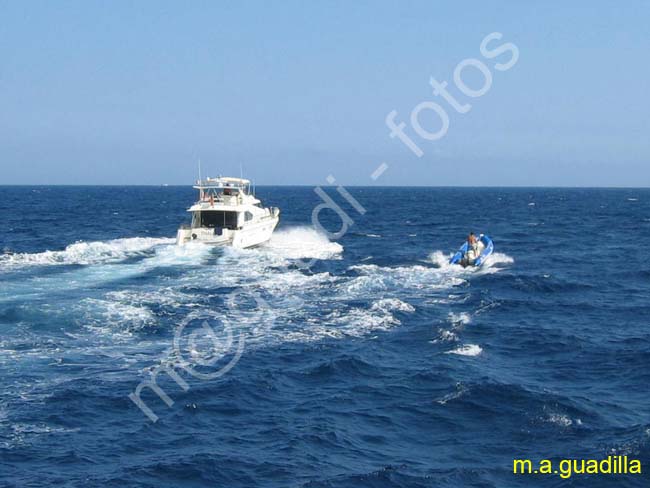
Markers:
(376, 366)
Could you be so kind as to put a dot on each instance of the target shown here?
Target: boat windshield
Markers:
(217, 219)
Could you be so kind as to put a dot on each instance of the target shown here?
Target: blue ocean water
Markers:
(377, 366)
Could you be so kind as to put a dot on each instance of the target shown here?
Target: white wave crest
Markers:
(375, 278)
(440, 259)
(445, 336)
(498, 258)
(355, 322)
(86, 253)
(390, 304)
(459, 319)
(467, 350)
(171, 255)
(303, 243)
(114, 318)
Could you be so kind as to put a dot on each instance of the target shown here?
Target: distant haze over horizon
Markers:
(291, 93)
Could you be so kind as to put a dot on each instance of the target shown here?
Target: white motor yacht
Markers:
(228, 214)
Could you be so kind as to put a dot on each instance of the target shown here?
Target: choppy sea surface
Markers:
(364, 362)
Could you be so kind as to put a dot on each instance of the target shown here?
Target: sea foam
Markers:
(466, 350)
(85, 253)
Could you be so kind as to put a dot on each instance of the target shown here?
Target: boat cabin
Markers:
(224, 203)
(227, 213)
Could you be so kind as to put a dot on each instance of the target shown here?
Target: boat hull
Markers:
(250, 236)
(462, 256)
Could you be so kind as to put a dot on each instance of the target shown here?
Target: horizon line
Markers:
(151, 185)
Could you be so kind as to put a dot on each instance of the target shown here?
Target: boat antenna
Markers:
(200, 183)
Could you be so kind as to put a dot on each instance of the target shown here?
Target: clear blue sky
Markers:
(134, 92)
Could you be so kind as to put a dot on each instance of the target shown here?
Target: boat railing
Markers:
(233, 198)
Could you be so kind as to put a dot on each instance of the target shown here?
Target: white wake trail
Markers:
(86, 253)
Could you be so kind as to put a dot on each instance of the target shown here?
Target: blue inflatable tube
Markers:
(460, 256)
